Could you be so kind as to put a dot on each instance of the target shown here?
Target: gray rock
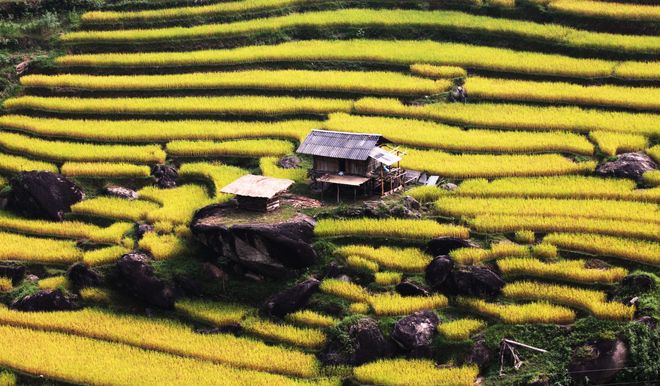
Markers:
(414, 333)
(47, 300)
(438, 271)
(165, 176)
(121, 192)
(445, 244)
(449, 186)
(291, 299)
(598, 361)
(80, 275)
(44, 195)
(474, 281)
(408, 288)
(289, 162)
(138, 277)
(627, 165)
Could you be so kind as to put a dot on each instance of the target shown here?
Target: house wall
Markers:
(351, 167)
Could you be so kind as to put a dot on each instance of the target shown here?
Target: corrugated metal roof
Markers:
(384, 156)
(337, 144)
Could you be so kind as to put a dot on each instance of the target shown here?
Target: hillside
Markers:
(524, 248)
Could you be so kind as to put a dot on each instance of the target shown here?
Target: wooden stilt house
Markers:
(258, 193)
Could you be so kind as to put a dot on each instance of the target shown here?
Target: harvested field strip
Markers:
(156, 131)
(103, 256)
(569, 270)
(395, 304)
(31, 249)
(65, 357)
(269, 168)
(460, 329)
(14, 164)
(400, 259)
(559, 187)
(374, 82)
(612, 143)
(238, 148)
(606, 10)
(229, 105)
(381, 18)
(214, 313)
(638, 251)
(392, 227)
(218, 175)
(593, 301)
(535, 312)
(399, 372)
(72, 151)
(65, 229)
(312, 319)
(403, 52)
(602, 209)
(640, 98)
(168, 336)
(304, 337)
(115, 208)
(486, 165)
(105, 170)
(164, 247)
(497, 250)
(178, 204)
(433, 135)
(517, 117)
(510, 223)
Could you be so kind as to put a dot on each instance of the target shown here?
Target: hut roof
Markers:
(337, 144)
(257, 186)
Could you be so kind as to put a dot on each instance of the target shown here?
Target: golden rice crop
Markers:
(395, 304)
(14, 164)
(72, 151)
(96, 295)
(178, 204)
(642, 98)
(652, 177)
(219, 175)
(460, 329)
(635, 250)
(426, 193)
(359, 308)
(535, 312)
(7, 378)
(545, 251)
(53, 282)
(279, 332)
(432, 71)
(215, 313)
(390, 227)
(367, 82)
(32, 249)
(237, 148)
(361, 264)
(269, 168)
(654, 152)
(156, 131)
(5, 284)
(163, 247)
(66, 358)
(637, 70)
(510, 223)
(570, 270)
(228, 105)
(593, 301)
(399, 259)
(387, 278)
(452, 205)
(103, 256)
(525, 236)
(433, 135)
(501, 249)
(65, 229)
(312, 318)
(115, 207)
(558, 187)
(344, 289)
(612, 143)
(517, 117)
(607, 10)
(168, 336)
(105, 170)
(400, 372)
(488, 165)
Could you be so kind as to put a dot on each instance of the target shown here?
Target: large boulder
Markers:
(47, 300)
(138, 277)
(291, 299)
(438, 271)
(414, 333)
(598, 361)
(121, 192)
(474, 281)
(410, 288)
(289, 162)
(638, 283)
(80, 275)
(627, 165)
(267, 249)
(165, 176)
(480, 354)
(361, 342)
(43, 195)
(14, 272)
(445, 244)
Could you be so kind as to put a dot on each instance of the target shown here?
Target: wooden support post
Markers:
(337, 194)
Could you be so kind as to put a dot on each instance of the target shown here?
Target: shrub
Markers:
(423, 371)
(535, 312)
(570, 270)
(460, 329)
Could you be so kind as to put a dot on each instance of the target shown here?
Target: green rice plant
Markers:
(606, 10)
(387, 278)
(312, 319)
(219, 314)
(165, 336)
(412, 132)
(269, 168)
(222, 105)
(395, 304)
(525, 236)
(569, 270)
(367, 82)
(304, 337)
(644, 252)
(461, 329)
(38, 250)
(156, 131)
(238, 148)
(163, 247)
(545, 251)
(390, 227)
(398, 259)
(5, 284)
(115, 208)
(510, 223)
(534, 312)
(344, 289)
(517, 117)
(105, 170)
(640, 98)
(53, 282)
(612, 143)
(433, 71)
(14, 164)
(359, 308)
(219, 175)
(177, 204)
(96, 295)
(654, 152)
(7, 378)
(470, 256)
(426, 193)
(399, 372)
(652, 177)
(361, 264)
(576, 187)
(593, 301)
(65, 229)
(71, 151)
(104, 256)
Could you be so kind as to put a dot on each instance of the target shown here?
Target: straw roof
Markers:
(257, 186)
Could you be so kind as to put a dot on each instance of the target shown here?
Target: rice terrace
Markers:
(329, 192)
